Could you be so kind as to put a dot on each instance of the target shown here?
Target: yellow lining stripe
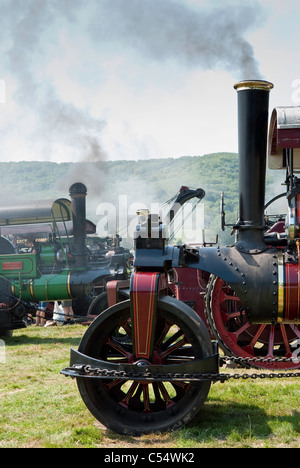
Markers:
(280, 287)
(68, 284)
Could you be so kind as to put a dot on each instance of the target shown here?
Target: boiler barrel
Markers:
(55, 287)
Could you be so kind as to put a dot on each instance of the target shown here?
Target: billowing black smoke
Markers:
(168, 29)
(159, 30)
(28, 27)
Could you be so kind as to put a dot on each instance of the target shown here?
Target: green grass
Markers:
(39, 407)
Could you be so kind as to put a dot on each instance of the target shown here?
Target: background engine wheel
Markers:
(99, 304)
(141, 407)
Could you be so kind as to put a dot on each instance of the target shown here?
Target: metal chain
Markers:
(249, 360)
(147, 376)
(262, 375)
(242, 360)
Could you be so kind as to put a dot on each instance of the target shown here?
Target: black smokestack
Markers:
(78, 194)
(253, 105)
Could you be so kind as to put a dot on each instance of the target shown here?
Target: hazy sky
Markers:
(137, 79)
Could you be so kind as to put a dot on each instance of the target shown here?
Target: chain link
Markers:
(222, 377)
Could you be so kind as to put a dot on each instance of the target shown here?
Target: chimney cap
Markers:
(254, 84)
(78, 189)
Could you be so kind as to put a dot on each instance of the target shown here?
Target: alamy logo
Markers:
(187, 223)
(2, 352)
(2, 92)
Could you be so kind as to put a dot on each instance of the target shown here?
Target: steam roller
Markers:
(146, 363)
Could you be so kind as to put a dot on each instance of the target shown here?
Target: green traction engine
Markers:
(54, 268)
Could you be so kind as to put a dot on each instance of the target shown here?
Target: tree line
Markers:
(147, 181)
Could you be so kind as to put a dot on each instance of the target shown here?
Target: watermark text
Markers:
(296, 93)
(129, 220)
(2, 92)
(2, 352)
(296, 352)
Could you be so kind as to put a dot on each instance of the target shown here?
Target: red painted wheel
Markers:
(136, 407)
(237, 337)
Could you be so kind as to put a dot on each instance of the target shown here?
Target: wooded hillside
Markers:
(143, 181)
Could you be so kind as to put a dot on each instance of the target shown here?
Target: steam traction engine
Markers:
(55, 269)
(146, 363)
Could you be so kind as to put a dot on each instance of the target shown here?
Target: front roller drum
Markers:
(136, 407)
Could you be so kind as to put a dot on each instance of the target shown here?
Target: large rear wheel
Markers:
(136, 407)
(229, 325)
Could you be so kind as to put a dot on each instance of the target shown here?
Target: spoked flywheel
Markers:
(136, 407)
(237, 337)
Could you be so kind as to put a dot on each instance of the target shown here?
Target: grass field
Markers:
(39, 407)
